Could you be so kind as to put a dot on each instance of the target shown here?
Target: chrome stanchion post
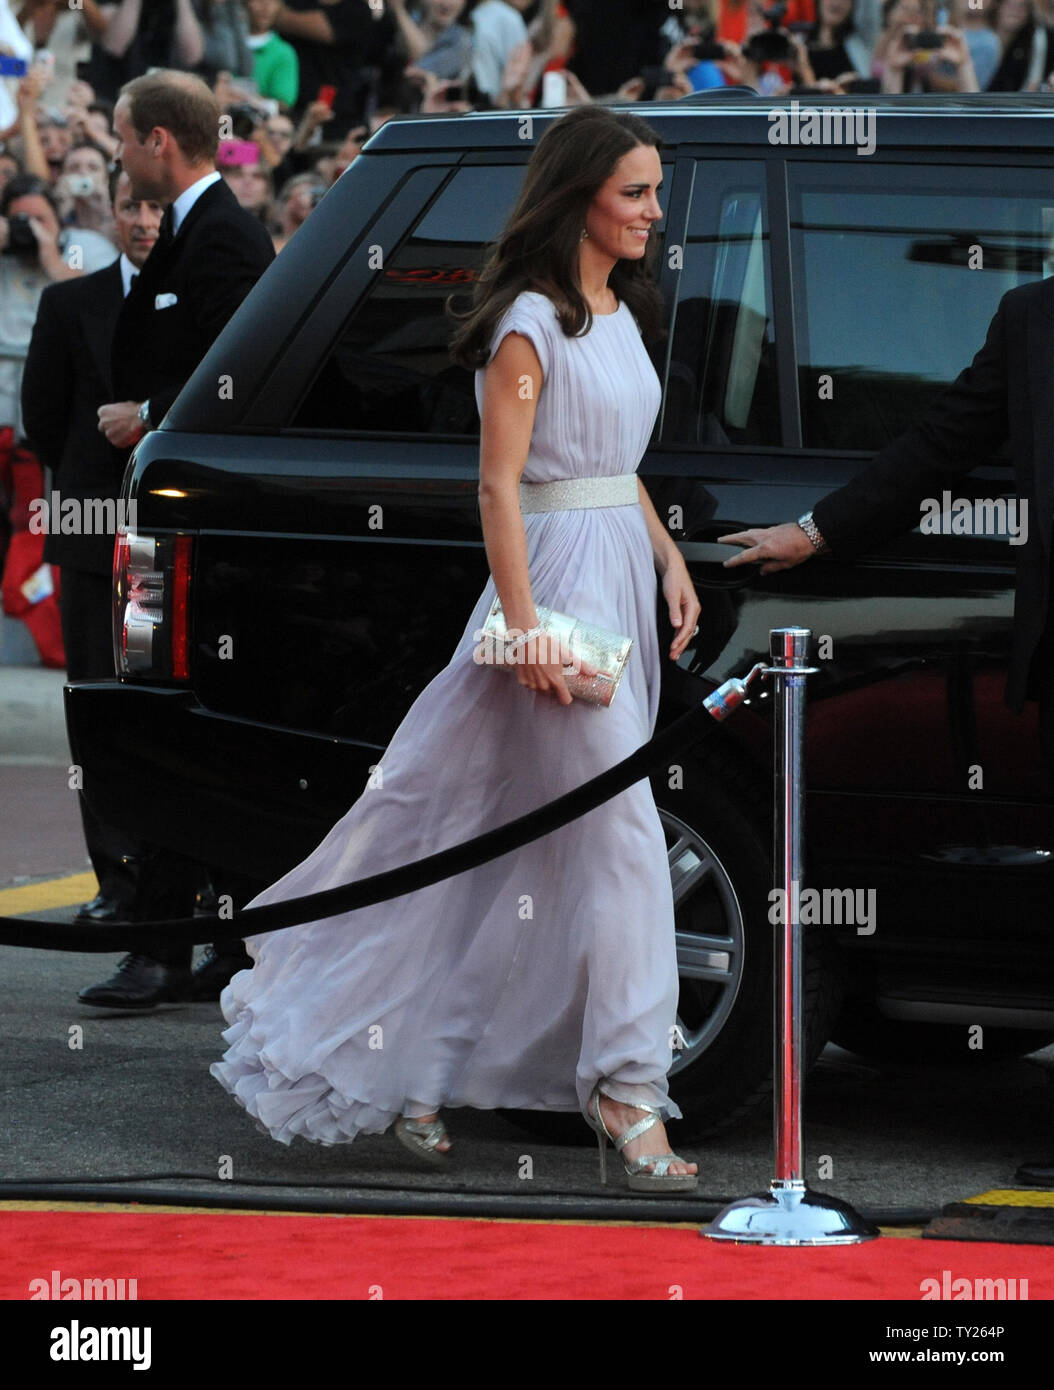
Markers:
(790, 1213)
(788, 650)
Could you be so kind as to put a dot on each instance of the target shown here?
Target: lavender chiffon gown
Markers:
(522, 982)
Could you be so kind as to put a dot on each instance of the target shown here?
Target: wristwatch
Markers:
(812, 531)
(144, 415)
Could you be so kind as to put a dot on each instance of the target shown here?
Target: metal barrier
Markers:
(790, 1213)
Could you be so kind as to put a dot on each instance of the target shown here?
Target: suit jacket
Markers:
(182, 298)
(66, 379)
(1007, 392)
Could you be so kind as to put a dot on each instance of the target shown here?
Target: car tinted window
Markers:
(897, 272)
(390, 370)
(721, 387)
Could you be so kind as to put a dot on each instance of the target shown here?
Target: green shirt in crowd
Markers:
(276, 68)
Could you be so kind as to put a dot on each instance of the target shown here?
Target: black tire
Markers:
(724, 1072)
(864, 1030)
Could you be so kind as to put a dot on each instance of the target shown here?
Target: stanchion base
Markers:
(790, 1214)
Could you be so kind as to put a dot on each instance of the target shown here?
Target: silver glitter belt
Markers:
(568, 494)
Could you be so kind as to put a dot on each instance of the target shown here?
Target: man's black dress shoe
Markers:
(102, 911)
(1040, 1174)
(139, 983)
(213, 972)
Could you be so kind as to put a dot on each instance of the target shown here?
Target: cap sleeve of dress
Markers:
(529, 314)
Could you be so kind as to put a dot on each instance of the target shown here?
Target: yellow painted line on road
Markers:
(70, 891)
(1013, 1197)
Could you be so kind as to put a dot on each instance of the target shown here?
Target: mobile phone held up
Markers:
(653, 78)
(554, 89)
(327, 96)
(12, 67)
(231, 152)
(926, 40)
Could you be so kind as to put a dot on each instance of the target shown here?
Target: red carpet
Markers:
(221, 1255)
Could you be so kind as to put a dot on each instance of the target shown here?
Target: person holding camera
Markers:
(91, 120)
(39, 250)
(35, 251)
(694, 49)
(83, 193)
(772, 61)
(913, 55)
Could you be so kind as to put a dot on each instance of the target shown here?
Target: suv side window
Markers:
(722, 384)
(897, 272)
(390, 370)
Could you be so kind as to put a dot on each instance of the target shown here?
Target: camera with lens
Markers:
(80, 185)
(244, 120)
(771, 45)
(20, 238)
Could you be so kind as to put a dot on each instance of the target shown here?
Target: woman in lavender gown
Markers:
(546, 978)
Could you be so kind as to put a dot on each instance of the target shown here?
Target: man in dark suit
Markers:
(66, 379)
(208, 255)
(1003, 395)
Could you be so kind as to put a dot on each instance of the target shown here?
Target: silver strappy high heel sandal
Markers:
(660, 1179)
(422, 1138)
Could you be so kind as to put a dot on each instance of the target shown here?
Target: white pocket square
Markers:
(165, 301)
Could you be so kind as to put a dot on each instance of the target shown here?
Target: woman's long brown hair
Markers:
(538, 250)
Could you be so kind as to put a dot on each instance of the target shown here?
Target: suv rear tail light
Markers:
(151, 615)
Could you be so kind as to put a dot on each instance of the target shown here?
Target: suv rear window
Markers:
(390, 370)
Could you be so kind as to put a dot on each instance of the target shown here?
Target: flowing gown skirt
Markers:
(519, 983)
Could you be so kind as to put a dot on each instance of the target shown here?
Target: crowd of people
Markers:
(304, 83)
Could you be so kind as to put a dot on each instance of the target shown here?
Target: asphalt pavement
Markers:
(103, 1100)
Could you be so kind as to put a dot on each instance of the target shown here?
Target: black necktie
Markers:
(165, 233)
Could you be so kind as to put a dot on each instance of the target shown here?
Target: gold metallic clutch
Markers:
(597, 657)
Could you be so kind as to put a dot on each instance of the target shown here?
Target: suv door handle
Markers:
(705, 560)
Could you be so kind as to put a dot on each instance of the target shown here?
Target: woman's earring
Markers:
(584, 235)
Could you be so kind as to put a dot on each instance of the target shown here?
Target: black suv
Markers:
(307, 547)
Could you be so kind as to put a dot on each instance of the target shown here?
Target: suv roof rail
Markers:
(709, 93)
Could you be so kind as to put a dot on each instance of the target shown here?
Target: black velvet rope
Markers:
(683, 733)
